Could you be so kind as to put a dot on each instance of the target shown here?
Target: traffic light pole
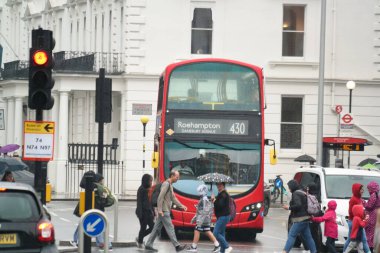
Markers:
(40, 169)
(100, 89)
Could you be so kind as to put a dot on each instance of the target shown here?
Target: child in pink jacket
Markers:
(331, 228)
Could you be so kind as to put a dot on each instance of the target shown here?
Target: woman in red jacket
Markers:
(331, 228)
(357, 232)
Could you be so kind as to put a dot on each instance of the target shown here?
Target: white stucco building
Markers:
(135, 39)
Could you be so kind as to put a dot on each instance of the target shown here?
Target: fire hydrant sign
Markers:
(38, 140)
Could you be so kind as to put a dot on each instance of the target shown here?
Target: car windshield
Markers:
(192, 159)
(18, 206)
(340, 186)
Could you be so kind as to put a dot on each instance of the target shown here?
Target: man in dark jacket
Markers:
(300, 218)
(144, 209)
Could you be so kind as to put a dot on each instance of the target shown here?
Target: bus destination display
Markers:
(211, 126)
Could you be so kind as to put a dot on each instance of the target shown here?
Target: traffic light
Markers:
(41, 63)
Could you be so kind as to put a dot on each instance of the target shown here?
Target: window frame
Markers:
(294, 150)
(293, 31)
(192, 16)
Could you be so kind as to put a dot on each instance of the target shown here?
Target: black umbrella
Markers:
(305, 159)
(367, 161)
(215, 178)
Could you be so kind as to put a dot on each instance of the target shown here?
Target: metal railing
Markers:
(88, 153)
(71, 62)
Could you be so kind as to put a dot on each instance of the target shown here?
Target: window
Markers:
(291, 122)
(201, 31)
(293, 30)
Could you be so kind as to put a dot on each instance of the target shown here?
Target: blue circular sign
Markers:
(278, 183)
(94, 224)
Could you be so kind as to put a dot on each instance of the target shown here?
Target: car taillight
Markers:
(45, 231)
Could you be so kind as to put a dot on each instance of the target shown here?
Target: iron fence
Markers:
(71, 62)
(113, 174)
(88, 153)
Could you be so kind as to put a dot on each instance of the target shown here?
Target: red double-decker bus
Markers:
(210, 118)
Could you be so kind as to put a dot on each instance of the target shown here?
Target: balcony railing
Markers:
(71, 62)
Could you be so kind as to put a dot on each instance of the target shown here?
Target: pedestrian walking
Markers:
(144, 209)
(376, 248)
(371, 207)
(8, 176)
(164, 203)
(103, 198)
(357, 229)
(356, 199)
(222, 213)
(331, 228)
(300, 218)
(205, 209)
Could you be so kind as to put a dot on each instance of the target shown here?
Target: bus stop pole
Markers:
(116, 219)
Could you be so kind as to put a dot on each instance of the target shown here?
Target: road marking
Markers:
(52, 213)
(66, 220)
(273, 237)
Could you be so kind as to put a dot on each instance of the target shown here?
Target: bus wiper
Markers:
(184, 144)
(221, 145)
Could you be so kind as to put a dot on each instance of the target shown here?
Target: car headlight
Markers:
(340, 220)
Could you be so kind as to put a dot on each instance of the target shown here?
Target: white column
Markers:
(18, 121)
(63, 136)
(54, 165)
(122, 124)
(10, 120)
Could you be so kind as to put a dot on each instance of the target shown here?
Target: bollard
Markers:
(48, 192)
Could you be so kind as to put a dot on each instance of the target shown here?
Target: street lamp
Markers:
(350, 85)
(144, 120)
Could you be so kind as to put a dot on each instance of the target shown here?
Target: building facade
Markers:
(135, 39)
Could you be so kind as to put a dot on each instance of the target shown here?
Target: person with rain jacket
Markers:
(8, 177)
(371, 207)
(357, 230)
(312, 189)
(356, 199)
(202, 218)
(300, 218)
(144, 209)
(331, 228)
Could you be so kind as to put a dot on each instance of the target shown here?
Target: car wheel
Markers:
(266, 206)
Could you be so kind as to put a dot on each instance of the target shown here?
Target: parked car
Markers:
(25, 223)
(266, 198)
(18, 168)
(335, 184)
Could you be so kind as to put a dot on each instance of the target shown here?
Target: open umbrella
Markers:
(367, 161)
(369, 166)
(215, 178)
(305, 159)
(9, 148)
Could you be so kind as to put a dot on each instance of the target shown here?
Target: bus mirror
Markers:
(273, 156)
(155, 159)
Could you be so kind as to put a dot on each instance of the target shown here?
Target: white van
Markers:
(336, 184)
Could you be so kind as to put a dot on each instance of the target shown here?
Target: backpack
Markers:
(232, 207)
(156, 189)
(105, 195)
(313, 206)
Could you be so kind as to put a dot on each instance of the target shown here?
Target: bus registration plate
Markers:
(8, 239)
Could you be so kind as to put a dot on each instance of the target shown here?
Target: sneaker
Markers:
(192, 249)
(228, 250)
(180, 248)
(151, 248)
(216, 249)
(101, 246)
(74, 244)
(139, 245)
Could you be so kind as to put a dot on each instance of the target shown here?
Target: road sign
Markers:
(338, 109)
(38, 140)
(94, 224)
(347, 118)
(346, 123)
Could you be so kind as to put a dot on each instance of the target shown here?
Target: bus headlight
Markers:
(252, 207)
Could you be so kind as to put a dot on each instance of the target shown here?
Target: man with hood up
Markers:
(300, 218)
(356, 199)
(357, 231)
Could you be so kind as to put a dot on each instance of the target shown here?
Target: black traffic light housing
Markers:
(41, 63)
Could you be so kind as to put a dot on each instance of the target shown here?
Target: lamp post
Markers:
(350, 85)
(144, 120)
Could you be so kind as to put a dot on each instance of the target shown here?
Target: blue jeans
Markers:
(99, 239)
(364, 239)
(303, 229)
(220, 232)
